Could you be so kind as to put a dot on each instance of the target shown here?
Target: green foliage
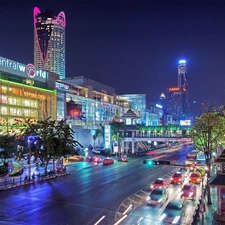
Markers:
(51, 139)
(208, 130)
(117, 127)
(7, 143)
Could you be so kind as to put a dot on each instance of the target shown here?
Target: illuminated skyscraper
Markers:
(49, 41)
(177, 97)
(182, 74)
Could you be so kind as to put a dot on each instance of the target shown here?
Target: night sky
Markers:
(133, 46)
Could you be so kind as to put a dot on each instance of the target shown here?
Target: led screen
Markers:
(185, 122)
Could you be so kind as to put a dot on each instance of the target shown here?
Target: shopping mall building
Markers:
(29, 92)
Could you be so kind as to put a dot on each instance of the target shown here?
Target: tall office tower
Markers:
(182, 74)
(177, 97)
(49, 41)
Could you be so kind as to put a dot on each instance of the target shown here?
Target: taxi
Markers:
(195, 177)
(201, 171)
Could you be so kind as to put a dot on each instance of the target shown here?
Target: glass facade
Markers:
(137, 102)
(85, 112)
(18, 101)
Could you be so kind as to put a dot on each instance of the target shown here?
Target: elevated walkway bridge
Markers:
(137, 138)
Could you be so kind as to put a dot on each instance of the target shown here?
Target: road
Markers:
(88, 193)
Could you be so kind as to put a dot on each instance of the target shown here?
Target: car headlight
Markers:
(160, 200)
(176, 220)
(162, 217)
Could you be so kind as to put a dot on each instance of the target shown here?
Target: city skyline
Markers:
(133, 46)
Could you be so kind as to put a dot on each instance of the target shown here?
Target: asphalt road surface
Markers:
(90, 192)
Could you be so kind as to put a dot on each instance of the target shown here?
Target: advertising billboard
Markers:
(74, 111)
(185, 122)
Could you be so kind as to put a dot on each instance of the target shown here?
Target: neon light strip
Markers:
(35, 13)
(23, 85)
(61, 18)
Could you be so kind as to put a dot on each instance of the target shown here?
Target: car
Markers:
(157, 197)
(201, 171)
(107, 161)
(160, 183)
(75, 158)
(184, 170)
(122, 158)
(96, 158)
(195, 177)
(193, 154)
(188, 191)
(191, 164)
(177, 178)
(172, 213)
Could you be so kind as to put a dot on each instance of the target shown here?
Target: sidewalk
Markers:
(7, 182)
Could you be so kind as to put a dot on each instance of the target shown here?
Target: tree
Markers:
(118, 129)
(208, 130)
(98, 133)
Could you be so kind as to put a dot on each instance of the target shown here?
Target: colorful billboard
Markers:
(185, 122)
(74, 111)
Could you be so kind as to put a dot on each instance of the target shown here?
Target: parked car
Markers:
(195, 177)
(107, 161)
(96, 158)
(157, 197)
(122, 158)
(188, 191)
(177, 178)
(172, 213)
(160, 183)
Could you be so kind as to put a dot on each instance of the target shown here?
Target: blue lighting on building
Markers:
(182, 61)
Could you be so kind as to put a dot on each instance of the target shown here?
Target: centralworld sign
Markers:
(29, 70)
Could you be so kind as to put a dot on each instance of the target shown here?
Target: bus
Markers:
(193, 154)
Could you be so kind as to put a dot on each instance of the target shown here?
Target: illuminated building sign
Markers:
(174, 89)
(185, 122)
(107, 135)
(25, 71)
(61, 86)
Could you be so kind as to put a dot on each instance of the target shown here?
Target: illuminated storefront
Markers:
(80, 110)
(24, 93)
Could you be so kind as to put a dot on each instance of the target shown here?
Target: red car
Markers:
(160, 183)
(177, 178)
(96, 159)
(188, 191)
(107, 161)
